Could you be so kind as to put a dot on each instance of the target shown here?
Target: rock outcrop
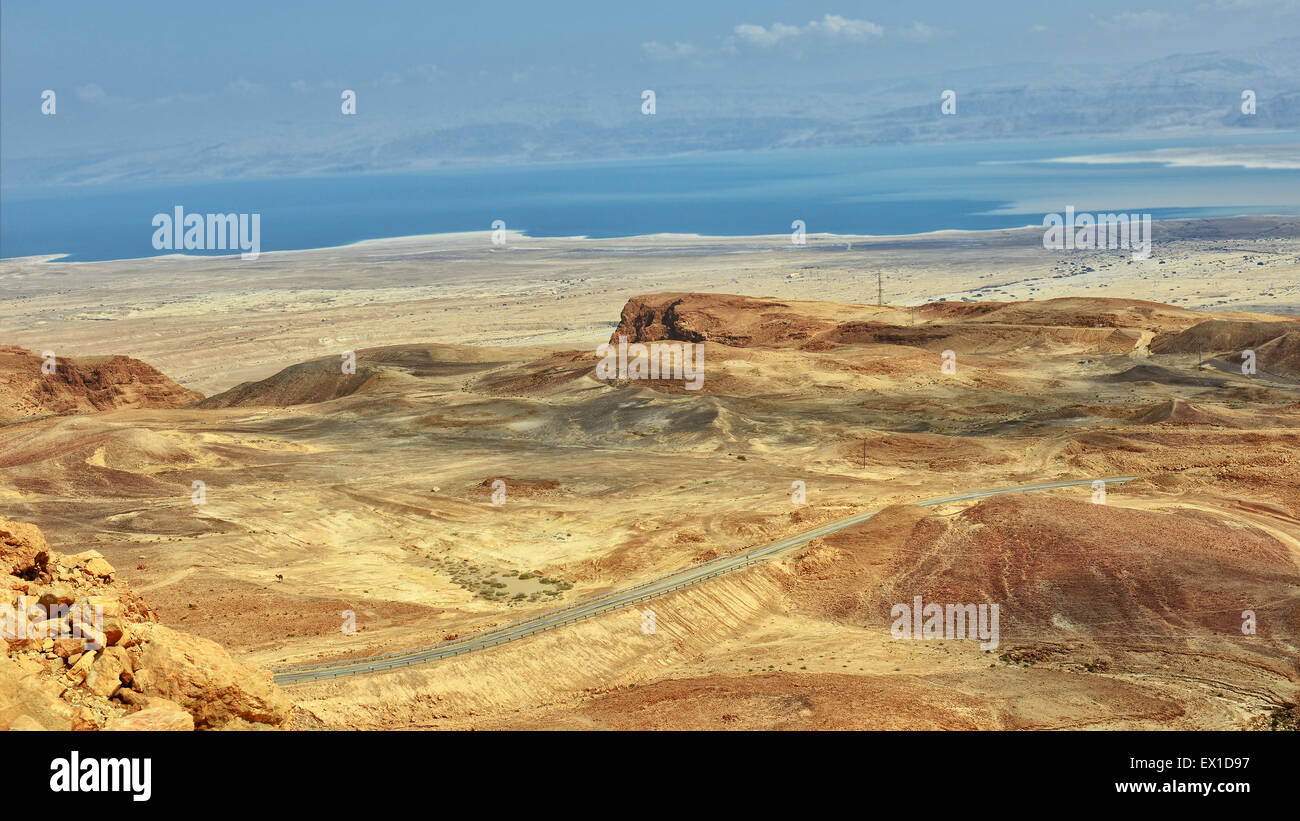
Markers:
(20, 544)
(84, 652)
(739, 321)
(1099, 325)
(211, 686)
(82, 385)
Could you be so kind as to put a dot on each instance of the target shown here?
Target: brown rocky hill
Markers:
(740, 321)
(1183, 412)
(82, 385)
(1079, 312)
(321, 380)
(1096, 324)
(101, 660)
(1218, 335)
(1062, 569)
(1281, 355)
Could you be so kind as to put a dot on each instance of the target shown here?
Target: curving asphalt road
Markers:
(614, 600)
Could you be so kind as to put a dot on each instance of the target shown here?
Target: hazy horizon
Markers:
(163, 93)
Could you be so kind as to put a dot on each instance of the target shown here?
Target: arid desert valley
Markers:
(412, 432)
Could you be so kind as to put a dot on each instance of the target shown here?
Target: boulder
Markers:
(160, 715)
(57, 595)
(92, 637)
(25, 723)
(106, 672)
(68, 647)
(26, 699)
(49, 629)
(114, 629)
(20, 543)
(99, 567)
(77, 673)
(202, 677)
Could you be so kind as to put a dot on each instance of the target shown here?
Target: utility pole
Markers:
(880, 289)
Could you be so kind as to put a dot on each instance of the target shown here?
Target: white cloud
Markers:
(918, 32)
(832, 26)
(243, 85)
(423, 73)
(658, 51)
(759, 36)
(1148, 20)
(94, 94)
(91, 93)
(1281, 6)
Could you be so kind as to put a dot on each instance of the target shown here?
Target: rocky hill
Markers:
(82, 385)
(84, 652)
(1102, 325)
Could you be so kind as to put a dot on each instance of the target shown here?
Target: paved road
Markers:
(616, 599)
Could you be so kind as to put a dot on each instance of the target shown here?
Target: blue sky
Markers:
(261, 78)
(147, 49)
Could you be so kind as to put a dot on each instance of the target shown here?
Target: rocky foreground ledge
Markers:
(85, 652)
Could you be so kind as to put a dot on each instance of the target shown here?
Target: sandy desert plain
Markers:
(372, 492)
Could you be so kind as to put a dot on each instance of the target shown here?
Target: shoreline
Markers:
(454, 237)
(476, 164)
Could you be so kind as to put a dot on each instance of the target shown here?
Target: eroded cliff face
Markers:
(83, 651)
(731, 320)
(82, 385)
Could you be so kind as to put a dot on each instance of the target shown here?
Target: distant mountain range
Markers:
(269, 132)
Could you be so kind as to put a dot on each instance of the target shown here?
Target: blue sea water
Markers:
(875, 190)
